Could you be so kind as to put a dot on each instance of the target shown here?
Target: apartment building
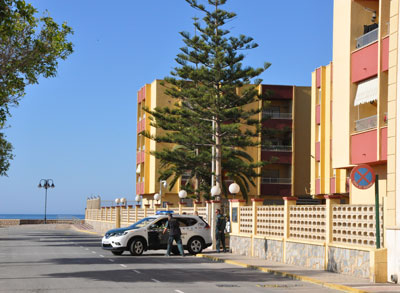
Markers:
(354, 112)
(288, 113)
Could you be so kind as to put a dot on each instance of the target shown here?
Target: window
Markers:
(187, 222)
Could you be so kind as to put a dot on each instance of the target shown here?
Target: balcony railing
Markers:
(276, 115)
(367, 38)
(277, 148)
(366, 123)
(266, 180)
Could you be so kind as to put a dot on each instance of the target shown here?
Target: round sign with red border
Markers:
(362, 176)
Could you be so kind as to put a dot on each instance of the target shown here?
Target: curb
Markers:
(284, 274)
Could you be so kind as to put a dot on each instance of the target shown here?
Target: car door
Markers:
(156, 238)
(186, 226)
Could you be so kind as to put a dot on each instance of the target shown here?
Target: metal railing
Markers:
(367, 38)
(276, 115)
(277, 148)
(266, 180)
(366, 123)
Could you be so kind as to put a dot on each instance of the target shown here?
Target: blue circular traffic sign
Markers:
(362, 176)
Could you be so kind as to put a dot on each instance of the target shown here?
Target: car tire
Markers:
(195, 245)
(137, 247)
(117, 252)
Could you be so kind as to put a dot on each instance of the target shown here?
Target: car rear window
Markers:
(187, 222)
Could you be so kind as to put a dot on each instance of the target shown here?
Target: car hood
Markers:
(118, 230)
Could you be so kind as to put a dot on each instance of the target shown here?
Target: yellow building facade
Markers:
(354, 112)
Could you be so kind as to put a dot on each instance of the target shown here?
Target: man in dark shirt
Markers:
(174, 234)
(220, 230)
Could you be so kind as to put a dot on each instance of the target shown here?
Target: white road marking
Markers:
(179, 291)
(111, 260)
(101, 255)
(136, 271)
(157, 281)
(81, 246)
(86, 248)
(93, 251)
(123, 265)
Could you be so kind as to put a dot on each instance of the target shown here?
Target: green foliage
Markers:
(30, 47)
(205, 87)
(5, 155)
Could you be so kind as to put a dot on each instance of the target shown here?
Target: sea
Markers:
(41, 216)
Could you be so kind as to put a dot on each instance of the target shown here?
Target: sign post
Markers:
(363, 177)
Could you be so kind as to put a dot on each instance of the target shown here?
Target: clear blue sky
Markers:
(80, 128)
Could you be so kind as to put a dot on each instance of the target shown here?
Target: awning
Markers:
(138, 169)
(367, 91)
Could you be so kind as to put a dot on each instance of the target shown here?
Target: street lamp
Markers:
(46, 183)
(234, 188)
(215, 191)
(163, 183)
(157, 197)
(182, 194)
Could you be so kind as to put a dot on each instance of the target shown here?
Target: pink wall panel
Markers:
(317, 186)
(364, 63)
(318, 151)
(332, 188)
(363, 147)
(384, 144)
(385, 54)
(318, 75)
(318, 114)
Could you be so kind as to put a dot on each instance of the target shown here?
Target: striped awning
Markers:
(367, 91)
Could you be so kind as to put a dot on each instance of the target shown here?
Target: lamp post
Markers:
(46, 183)
(163, 183)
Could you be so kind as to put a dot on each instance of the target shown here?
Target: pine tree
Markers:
(217, 105)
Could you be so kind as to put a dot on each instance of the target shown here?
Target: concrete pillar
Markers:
(330, 201)
(136, 212)
(157, 206)
(146, 207)
(289, 201)
(196, 205)
(118, 217)
(255, 203)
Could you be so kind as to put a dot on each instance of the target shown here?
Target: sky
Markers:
(79, 128)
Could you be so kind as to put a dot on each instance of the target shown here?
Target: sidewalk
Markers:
(327, 279)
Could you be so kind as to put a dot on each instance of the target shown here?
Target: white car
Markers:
(147, 234)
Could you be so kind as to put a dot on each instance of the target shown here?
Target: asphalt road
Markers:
(34, 259)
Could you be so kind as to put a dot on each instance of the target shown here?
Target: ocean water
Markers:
(41, 216)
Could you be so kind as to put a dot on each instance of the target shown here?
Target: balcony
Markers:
(366, 123)
(364, 62)
(139, 157)
(277, 157)
(140, 188)
(268, 180)
(141, 125)
(318, 114)
(367, 38)
(277, 148)
(276, 115)
(276, 186)
(364, 147)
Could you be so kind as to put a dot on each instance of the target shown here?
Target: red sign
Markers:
(362, 176)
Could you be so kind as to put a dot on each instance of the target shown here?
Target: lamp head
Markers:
(182, 194)
(137, 198)
(117, 200)
(215, 190)
(157, 196)
(234, 188)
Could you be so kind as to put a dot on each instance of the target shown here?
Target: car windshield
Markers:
(143, 222)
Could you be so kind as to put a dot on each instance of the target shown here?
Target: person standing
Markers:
(174, 234)
(220, 230)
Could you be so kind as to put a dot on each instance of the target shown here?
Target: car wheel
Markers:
(195, 245)
(175, 250)
(117, 252)
(136, 247)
